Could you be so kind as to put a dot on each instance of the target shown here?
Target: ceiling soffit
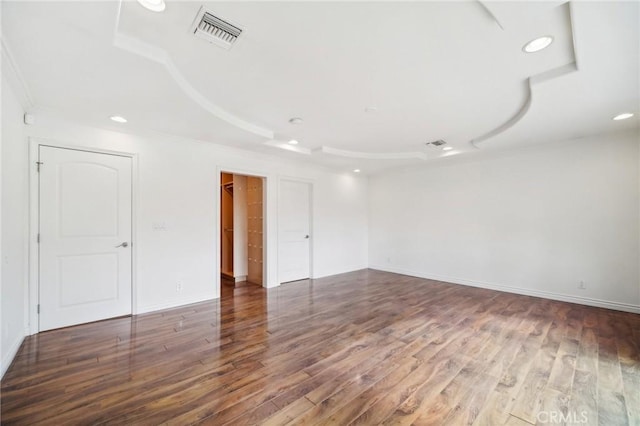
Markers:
(142, 40)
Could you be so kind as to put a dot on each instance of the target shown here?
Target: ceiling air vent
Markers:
(215, 30)
(439, 142)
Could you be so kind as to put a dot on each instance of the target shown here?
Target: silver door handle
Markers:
(306, 236)
(125, 244)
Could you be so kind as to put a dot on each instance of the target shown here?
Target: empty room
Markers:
(320, 212)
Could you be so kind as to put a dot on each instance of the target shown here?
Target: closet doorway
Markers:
(241, 229)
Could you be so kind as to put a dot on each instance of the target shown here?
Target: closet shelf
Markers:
(228, 187)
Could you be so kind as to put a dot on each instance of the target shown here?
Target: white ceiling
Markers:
(434, 70)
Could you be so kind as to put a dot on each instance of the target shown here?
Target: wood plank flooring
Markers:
(366, 347)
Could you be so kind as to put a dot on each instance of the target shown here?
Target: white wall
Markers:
(178, 184)
(340, 224)
(533, 221)
(14, 226)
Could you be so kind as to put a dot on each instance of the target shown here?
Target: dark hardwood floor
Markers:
(366, 347)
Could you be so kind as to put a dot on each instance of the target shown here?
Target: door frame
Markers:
(267, 253)
(311, 183)
(34, 223)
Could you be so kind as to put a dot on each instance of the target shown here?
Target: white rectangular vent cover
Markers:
(215, 30)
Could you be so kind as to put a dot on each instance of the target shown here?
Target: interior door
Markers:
(85, 236)
(294, 215)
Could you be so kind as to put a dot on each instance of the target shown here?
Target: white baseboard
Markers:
(340, 271)
(625, 307)
(8, 358)
(271, 284)
(176, 303)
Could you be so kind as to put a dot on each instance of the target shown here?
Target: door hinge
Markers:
(38, 308)
(38, 164)
(38, 238)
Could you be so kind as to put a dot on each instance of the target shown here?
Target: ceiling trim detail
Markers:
(530, 82)
(284, 145)
(572, 23)
(162, 57)
(510, 122)
(485, 7)
(372, 155)
(15, 76)
(156, 54)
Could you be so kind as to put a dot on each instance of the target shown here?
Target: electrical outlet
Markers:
(582, 285)
(388, 259)
(179, 287)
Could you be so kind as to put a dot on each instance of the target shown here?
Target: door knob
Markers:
(306, 236)
(125, 244)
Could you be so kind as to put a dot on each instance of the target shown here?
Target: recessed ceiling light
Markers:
(293, 142)
(296, 120)
(623, 116)
(447, 148)
(153, 5)
(356, 170)
(118, 119)
(538, 44)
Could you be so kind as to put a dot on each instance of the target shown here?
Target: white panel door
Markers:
(85, 237)
(294, 214)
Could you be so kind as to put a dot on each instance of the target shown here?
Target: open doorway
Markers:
(241, 230)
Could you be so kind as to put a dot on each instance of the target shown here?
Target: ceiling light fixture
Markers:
(296, 120)
(153, 5)
(293, 142)
(447, 148)
(118, 119)
(537, 44)
(356, 170)
(623, 116)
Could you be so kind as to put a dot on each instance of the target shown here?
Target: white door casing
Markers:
(84, 219)
(294, 236)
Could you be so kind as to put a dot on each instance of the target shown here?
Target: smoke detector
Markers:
(215, 29)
